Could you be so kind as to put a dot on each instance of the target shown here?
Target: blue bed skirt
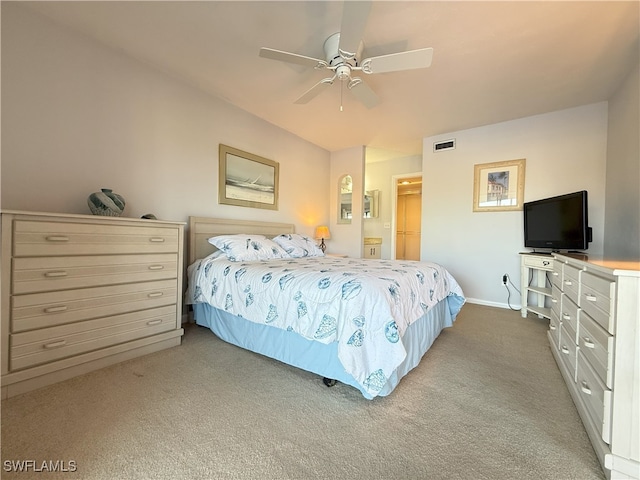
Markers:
(319, 358)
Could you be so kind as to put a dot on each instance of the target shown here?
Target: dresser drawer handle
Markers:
(568, 282)
(588, 343)
(555, 274)
(154, 322)
(591, 298)
(156, 239)
(565, 350)
(61, 273)
(156, 267)
(58, 344)
(552, 326)
(57, 238)
(554, 300)
(566, 316)
(155, 294)
(585, 388)
(56, 309)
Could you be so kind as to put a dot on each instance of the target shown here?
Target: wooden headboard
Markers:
(203, 228)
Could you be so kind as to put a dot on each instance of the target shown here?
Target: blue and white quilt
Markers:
(364, 305)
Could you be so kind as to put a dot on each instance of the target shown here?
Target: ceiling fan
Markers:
(343, 53)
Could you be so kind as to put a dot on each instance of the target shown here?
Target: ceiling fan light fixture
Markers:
(344, 54)
(343, 72)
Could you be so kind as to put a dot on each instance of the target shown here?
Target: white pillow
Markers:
(244, 248)
(298, 245)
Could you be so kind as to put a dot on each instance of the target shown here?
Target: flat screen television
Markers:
(557, 223)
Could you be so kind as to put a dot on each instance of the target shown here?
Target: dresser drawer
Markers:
(554, 329)
(48, 344)
(556, 300)
(556, 274)
(62, 273)
(41, 310)
(597, 298)
(41, 238)
(569, 316)
(571, 283)
(538, 262)
(568, 351)
(597, 346)
(596, 397)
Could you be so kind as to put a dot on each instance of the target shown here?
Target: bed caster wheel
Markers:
(329, 382)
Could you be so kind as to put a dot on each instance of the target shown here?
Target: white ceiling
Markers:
(492, 62)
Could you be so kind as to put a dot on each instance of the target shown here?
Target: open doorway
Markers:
(407, 216)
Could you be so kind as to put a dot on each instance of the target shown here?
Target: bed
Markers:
(365, 323)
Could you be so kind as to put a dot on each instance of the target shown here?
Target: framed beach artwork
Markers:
(498, 186)
(247, 180)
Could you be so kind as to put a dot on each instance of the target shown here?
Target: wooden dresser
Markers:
(594, 331)
(81, 292)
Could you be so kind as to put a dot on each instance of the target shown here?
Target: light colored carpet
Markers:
(486, 402)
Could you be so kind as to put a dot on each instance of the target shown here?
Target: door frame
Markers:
(394, 206)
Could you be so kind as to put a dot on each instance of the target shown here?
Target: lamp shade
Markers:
(323, 232)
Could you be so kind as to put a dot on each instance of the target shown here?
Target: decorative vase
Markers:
(106, 203)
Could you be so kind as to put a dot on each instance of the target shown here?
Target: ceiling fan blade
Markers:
(354, 21)
(292, 58)
(316, 90)
(398, 61)
(363, 92)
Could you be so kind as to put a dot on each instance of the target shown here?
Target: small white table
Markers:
(540, 263)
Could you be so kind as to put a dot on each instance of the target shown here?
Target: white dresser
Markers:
(594, 331)
(81, 292)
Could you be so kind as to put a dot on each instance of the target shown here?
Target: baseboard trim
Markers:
(493, 304)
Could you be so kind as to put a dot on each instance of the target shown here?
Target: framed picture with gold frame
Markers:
(498, 186)
(247, 180)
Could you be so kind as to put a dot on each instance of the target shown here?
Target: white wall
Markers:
(565, 151)
(378, 176)
(78, 116)
(622, 224)
(346, 238)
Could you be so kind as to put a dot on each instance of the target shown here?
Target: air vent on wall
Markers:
(446, 145)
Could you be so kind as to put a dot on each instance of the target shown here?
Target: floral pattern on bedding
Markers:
(364, 305)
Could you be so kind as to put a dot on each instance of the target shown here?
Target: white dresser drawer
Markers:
(556, 274)
(568, 351)
(538, 262)
(569, 316)
(597, 298)
(40, 310)
(554, 329)
(571, 283)
(49, 344)
(44, 238)
(596, 397)
(62, 273)
(556, 300)
(596, 344)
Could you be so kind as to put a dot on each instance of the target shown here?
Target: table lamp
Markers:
(322, 232)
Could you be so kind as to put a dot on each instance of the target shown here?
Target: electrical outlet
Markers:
(505, 277)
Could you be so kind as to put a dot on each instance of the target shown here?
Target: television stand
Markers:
(536, 264)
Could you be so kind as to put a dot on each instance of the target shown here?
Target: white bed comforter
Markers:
(364, 305)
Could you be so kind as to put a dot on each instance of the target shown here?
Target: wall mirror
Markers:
(345, 196)
(371, 207)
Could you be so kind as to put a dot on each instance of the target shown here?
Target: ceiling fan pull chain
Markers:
(341, 90)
